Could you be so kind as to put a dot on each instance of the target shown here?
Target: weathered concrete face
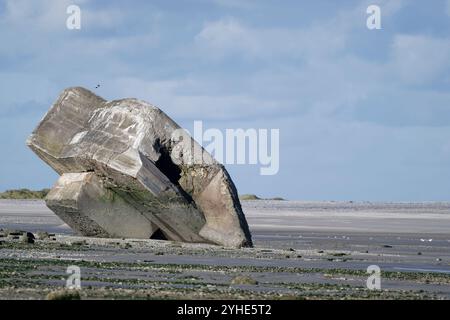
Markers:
(82, 202)
(128, 170)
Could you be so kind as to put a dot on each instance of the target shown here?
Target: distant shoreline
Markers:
(27, 194)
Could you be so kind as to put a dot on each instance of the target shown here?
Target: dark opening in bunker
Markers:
(158, 235)
(166, 165)
(170, 170)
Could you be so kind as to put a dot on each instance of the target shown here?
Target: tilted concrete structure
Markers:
(128, 170)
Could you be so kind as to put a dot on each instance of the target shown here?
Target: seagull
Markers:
(97, 86)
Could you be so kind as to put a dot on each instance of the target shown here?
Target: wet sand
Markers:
(302, 250)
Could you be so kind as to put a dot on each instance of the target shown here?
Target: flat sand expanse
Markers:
(302, 250)
(275, 216)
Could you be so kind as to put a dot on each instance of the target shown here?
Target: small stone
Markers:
(42, 235)
(26, 239)
(64, 295)
(30, 235)
(126, 246)
(244, 280)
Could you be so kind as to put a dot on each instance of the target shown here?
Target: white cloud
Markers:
(389, 7)
(43, 15)
(39, 42)
(49, 16)
(238, 4)
(323, 79)
(420, 59)
(228, 36)
(191, 99)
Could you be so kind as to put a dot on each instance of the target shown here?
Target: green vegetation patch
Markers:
(24, 194)
(245, 197)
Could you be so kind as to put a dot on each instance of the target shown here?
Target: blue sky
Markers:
(363, 114)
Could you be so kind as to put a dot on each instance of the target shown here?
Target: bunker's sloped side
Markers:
(81, 201)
